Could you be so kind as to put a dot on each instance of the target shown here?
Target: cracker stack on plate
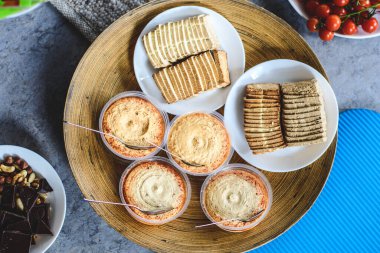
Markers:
(194, 75)
(185, 52)
(173, 41)
(303, 113)
(262, 122)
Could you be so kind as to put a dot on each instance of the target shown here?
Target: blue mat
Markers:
(346, 216)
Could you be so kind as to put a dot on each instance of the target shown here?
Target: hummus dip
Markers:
(199, 142)
(235, 194)
(137, 122)
(155, 185)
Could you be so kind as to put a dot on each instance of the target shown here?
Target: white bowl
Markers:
(56, 198)
(208, 101)
(297, 5)
(290, 158)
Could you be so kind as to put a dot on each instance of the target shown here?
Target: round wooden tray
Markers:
(106, 69)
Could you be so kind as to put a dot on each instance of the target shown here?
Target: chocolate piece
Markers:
(8, 199)
(21, 226)
(7, 218)
(39, 219)
(13, 241)
(43, 229)
(28, 197)
(44, 186)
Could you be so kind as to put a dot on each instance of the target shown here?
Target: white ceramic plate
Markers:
(56, 198)
(297, 5)
(24, 11)
(278, 71)
(211, 100)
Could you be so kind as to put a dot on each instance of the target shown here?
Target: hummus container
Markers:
(232, 196)
(155, 190)
(197, 170)
(146, 153)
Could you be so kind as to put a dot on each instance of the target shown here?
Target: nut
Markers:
(24, 165)
(9, 160)
(25, 182)
(31, 177)
(19, 177)
(8, 180)
(19, 204)
(35, 185)
(43, 196)
(29, 171)
(2, 179)
(7, 169)
(18, 161)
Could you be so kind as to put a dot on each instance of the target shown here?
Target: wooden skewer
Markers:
(129, 145)
(153, 212)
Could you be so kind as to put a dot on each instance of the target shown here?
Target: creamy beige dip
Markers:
(232, 196)
(154, 186)
(199, 139)
(137, 122)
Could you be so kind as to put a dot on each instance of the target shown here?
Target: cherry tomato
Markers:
(358, 8)
(322, 11)
(349, 27)
(312, 24)
(333, 23)
(370, 25)
(326, 35)
(311, 6)
(365, 3)
(340, 11)
(341, 3)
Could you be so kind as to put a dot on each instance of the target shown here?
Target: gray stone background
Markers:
(38, 55)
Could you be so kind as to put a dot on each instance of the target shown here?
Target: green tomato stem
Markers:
(358, 12)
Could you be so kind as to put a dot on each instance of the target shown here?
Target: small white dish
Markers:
(290, 158)
(56, 198)
(209, 101)
(297, 5)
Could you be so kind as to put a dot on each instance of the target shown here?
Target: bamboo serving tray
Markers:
(107, 69)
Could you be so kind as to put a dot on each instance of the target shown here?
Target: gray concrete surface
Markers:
(38, 55)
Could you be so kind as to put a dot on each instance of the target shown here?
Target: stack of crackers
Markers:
(262, 122)
(303, 113)
(288, 115)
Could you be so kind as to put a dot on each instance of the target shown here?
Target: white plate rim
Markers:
(25, 11)
(326, 145)
(173, 108)
(298, 9)
(58, 188)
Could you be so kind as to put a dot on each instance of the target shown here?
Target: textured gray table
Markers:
(38, 55)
